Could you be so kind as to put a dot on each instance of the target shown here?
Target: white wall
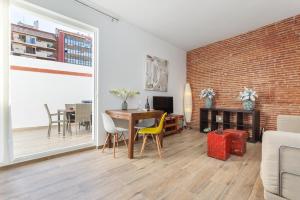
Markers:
(122, 52)
(31, 90)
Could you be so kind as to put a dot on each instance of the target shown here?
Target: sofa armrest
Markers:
(272, 142)
(289, 172)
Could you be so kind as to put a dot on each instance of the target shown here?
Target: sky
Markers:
(21, 15)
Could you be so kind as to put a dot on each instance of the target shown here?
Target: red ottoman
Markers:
(218, 145)
(238, 141)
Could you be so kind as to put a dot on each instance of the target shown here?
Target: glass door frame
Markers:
(6, 120)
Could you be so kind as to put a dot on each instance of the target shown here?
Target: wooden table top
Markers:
(66, 110)
(124, 114)
(134, 111)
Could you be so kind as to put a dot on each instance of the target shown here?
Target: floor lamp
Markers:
(187, 101)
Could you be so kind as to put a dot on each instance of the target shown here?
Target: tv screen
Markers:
(163, 103)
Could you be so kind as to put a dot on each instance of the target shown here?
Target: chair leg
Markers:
(124, 140)
(69, 127)
(136, 134)
(49, 129)
(144, 144)
(114, 145)
(158, 145)
(118, 139)
(153, 138)
(107, 136)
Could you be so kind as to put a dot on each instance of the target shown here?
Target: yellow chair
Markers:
(153, 132)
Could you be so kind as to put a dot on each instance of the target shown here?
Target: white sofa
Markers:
(280, 166)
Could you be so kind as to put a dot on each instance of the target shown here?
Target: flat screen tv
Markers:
(163, 103)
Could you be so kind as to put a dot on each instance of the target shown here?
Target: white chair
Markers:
(112, 130)
(145, 123)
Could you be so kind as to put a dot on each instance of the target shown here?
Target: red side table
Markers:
(218, 145)
(238, 141)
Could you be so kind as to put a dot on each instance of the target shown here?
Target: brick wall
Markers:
(266, 59)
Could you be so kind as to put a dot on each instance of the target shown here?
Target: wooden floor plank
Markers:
(35, 140)
(184, 172)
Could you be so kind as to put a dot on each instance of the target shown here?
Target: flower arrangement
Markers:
(207, 93)
(248, 95)
(124, 93)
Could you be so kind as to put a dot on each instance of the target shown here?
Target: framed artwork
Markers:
(156, 74)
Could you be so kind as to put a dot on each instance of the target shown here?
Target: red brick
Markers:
(266, 59)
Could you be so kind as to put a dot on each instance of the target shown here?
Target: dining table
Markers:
(64, 113)
(132, 116)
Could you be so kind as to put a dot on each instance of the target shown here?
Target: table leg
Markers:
(109, 141)
(161, 136)
(58, 118)
(131, 134)
(64, 124)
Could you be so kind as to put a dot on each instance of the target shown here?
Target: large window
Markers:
(52, 82)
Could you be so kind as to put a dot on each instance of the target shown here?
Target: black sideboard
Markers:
(240, 119)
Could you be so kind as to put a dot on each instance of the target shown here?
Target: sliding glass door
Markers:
(52, 74)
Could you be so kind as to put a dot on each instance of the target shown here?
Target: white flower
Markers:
(207, 93)
(248, 94)
(124, 93)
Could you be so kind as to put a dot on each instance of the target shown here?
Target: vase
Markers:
(124, 105)
(248, 105)
(208, 103)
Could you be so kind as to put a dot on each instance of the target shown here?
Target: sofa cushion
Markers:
(272, 141)
(290, 186)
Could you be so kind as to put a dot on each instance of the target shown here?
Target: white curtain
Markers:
(6, 153)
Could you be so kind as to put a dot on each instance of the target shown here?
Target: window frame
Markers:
(6, 119)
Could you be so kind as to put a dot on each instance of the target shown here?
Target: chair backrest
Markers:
(147, 122)
(161, 122)
(83, 112)
(48, 111)
(70, 106)
(108, 123)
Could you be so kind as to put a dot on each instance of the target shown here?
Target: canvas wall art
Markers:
(156, 74)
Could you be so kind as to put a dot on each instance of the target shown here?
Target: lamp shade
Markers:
(187, 102)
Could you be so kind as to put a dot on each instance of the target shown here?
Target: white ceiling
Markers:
(189, 24)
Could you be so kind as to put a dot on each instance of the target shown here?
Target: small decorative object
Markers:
(208, 95)
(219, 119)
(124, 94)
(206, 130)
(156, 74)
(248, 97)
(147, 106)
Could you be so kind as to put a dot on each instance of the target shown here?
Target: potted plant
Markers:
(248, 97)
(124, 94)
(208, 95)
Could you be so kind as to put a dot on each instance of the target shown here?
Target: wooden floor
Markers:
(35, 140)
(184, 172)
